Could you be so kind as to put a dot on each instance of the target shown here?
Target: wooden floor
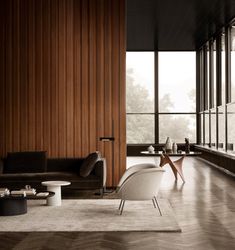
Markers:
(204, 207)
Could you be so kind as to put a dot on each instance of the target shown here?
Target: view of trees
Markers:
(140, 127)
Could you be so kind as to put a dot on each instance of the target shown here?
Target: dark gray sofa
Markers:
(66, 169)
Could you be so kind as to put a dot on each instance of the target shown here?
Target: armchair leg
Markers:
(120, 204)
(153, 203)
(123, 203)
(158, 205)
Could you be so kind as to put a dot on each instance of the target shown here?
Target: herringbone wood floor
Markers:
(204, 207)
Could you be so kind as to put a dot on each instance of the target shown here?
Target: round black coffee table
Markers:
(13, 205)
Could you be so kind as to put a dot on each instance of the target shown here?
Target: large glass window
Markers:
(213, 127)
(177, 127)
(140, 129)
(175, 112)
(177, 94)
(231, 127)
(177, 75)
(214, 74)
(233, 63)
(140, 97)
(202, 128)
(221, 128)
(207, 128)
(207, 90)
(223, 68)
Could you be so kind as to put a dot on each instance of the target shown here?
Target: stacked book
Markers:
(4, 191)
(24, 192)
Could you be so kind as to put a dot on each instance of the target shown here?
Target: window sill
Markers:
(220, 152)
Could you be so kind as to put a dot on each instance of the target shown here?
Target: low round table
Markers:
(13, 205)
(55, 186)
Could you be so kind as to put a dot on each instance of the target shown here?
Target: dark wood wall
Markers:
(62, 78)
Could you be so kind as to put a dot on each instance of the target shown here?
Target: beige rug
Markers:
(92, 216)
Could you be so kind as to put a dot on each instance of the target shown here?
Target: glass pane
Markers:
(231, 127)
(140, 82)
(207, 130)
(177, 76)
(221, 128)
(233, 63)
(202, 130)
(140, 129)
(177, 127)
(213, 128)
(214, 70)
(208, 78)
(201, 80)
(223, 68)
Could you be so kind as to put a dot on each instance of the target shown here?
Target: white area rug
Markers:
(92, 216)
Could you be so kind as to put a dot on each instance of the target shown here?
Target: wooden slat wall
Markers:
(62, 78)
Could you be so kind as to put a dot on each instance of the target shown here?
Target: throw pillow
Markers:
(89, 163)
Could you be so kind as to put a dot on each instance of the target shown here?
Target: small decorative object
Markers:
(151, 149)
(168, 145)
(174, 148)
(187, 146)
(164, 150)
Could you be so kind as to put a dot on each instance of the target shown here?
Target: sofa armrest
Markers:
(100, 170)
(1, 166)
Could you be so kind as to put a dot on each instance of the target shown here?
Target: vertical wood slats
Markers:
(62, 78)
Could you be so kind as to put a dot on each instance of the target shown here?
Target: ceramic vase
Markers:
(174, 148)
(168, 145)
(151, 149)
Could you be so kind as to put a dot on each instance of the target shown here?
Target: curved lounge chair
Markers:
(135, 168)
(142, 184)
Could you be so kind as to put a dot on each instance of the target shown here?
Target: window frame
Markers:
(156, 102)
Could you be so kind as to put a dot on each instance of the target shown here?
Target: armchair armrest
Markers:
(100, 170)
(133, 169)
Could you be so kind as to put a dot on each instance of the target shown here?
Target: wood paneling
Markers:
(62, 78)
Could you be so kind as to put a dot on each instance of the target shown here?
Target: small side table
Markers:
(55, 186)
(176, 166)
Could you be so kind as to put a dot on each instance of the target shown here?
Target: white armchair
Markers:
(135, 168)
(142, 184)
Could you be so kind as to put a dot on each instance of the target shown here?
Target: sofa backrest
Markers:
(64, 164)
(25, 162)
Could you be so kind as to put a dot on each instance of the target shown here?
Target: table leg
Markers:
(179, 166)
(176, 166)
(56, 199)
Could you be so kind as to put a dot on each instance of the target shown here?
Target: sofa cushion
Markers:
(89, 164)
(25, 162)
(18, 181)
(64, 164)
